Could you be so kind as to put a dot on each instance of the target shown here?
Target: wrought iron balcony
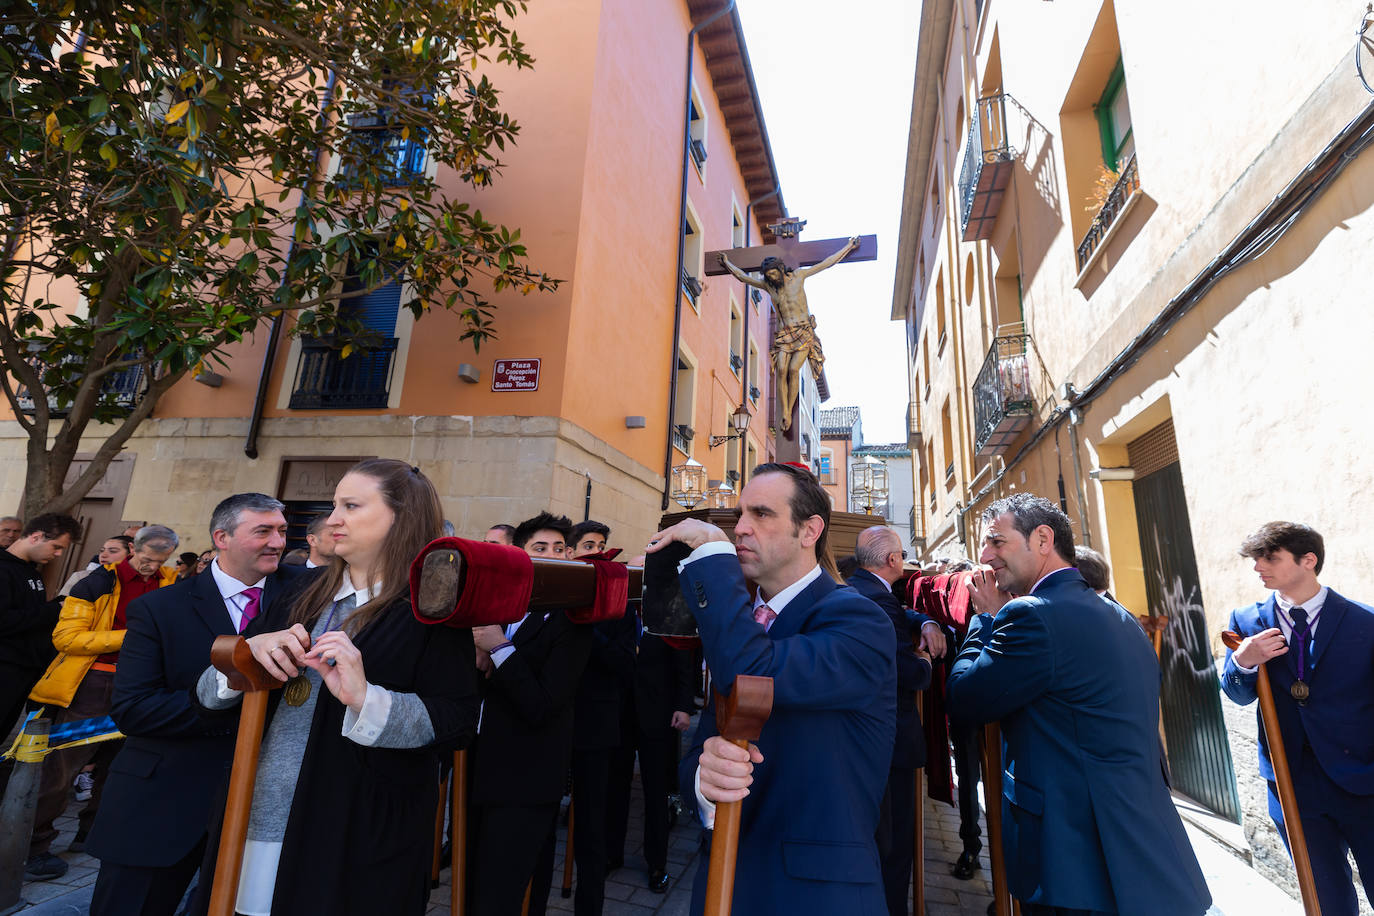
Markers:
(913, 425)
(1003, 401)
(370, 138)
(326, 380)
(119, 391)
(682, 438)
(986, 171)
(1112, 207)
(691, 286)
(754, 392)
(736, 364)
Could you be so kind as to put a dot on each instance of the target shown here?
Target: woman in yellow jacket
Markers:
(80, 681)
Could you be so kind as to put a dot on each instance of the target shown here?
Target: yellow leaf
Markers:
(188, 79)
(51, 129)
(346, 352)
(178, 111)
(405, 133)
(93, 291)
(400, 243)
(404, 204)
(417, 47)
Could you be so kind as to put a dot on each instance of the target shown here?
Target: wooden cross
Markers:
(791, 249)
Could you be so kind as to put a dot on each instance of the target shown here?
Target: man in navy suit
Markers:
(1088, 823)
(879, 553)
(1319, 650)
(815, 779)
(150, 832)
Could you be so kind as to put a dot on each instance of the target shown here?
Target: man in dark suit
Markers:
(1088, 823)
(1319, 650)
(815, 778)
(879, 553)
(597, 733)
(524, 740)
(150, 832)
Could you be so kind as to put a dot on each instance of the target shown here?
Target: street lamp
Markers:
(739, 422)
(723, 496)
(689, 484)
(867, 484)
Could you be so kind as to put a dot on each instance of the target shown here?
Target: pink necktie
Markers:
(764, 616)
(250, 610)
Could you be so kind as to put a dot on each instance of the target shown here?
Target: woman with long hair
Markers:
(343, 807)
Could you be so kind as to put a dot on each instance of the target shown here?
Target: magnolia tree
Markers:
(175, 175)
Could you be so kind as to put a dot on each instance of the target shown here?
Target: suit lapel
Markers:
(530, 627)
(1269, 614)
(798, 610)
(1333, 610)
(209, 604)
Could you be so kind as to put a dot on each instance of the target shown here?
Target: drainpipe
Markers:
(744, 388)
(269, 357)
(681, 243)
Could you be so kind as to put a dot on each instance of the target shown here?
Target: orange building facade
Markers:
(569, 408)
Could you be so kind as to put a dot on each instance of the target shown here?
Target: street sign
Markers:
(515, 375)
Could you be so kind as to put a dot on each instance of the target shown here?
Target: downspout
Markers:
(744, 387)
(269, 358)
(681, 245)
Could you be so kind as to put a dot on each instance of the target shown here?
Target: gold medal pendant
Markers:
(1299, 690)
(296, 691)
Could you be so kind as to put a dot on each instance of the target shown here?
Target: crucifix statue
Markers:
(782, 270)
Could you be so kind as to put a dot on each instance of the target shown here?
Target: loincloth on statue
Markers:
(800, 338)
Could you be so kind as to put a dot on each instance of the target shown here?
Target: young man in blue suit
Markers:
(815, 779)
(1088, 824)
(1319, 650)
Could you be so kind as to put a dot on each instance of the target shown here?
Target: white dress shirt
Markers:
(232, 591)
(1312, 605)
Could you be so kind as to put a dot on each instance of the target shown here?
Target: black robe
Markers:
(360, 835)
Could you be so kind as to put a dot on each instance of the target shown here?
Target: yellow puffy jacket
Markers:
(84, 633)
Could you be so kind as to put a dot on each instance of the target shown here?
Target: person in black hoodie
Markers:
(27, 615)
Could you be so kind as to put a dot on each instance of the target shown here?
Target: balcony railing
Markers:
(736, 364)
(913, 425)
(682, 438)
(370, 138)
(326, 380)
(1002, 398)
(986, 171)
(691, 286)
(119, 390)
(754, 392)
(1121, 192)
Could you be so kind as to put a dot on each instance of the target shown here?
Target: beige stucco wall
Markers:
(183, 467)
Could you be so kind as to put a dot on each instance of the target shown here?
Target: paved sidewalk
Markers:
(1238, 890)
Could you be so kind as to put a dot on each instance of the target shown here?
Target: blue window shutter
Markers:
(377, 310)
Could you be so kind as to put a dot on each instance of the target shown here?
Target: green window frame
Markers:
(1112, 142)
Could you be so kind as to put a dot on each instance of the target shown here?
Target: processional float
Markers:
(461, 583)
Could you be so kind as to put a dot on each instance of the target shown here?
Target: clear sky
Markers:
(836, 84)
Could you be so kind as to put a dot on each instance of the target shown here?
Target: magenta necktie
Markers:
(250, 610)
(764, 616)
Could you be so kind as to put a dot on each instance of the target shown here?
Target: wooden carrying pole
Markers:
(458, 818)
(1283, 779)
(739, 719)
(992, 798)
(231, 655)
(567, 888)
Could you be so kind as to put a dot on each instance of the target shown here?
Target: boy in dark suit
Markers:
(1319, 650)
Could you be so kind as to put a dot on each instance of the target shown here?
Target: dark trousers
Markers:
(15, 684)
(897, 838)
(91, 700)
(967, 743)
(590, 792)
(507, 843)
(657, 773)
(1335, 823)
(132, 890)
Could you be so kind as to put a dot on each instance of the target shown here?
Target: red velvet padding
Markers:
(612, 592)
(497, 583)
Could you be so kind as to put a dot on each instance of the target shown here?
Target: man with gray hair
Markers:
(151, 832)
(879, 554)
(79, 682)
(10, 526)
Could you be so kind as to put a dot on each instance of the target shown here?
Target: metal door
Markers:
(1190, 702)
